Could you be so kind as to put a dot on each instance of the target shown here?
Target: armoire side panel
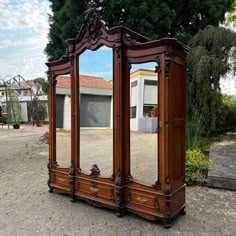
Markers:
(177, 123)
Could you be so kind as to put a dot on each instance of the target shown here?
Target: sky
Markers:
(24, 31)
(23, 37)
(99, 63)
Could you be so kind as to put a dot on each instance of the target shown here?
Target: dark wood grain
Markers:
(165, 199)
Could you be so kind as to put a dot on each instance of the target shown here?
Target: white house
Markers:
(96, 101)
(143, 97)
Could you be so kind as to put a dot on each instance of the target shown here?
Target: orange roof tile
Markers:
(86, 81)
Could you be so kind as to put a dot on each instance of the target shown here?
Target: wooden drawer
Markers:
(143, 200)
(95, 189)
(61, 179)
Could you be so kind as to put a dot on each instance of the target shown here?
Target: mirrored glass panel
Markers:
(63, 120)
(96, 110)
(143, 122)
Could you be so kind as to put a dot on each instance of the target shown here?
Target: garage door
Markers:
(59, 110)
(95, 111)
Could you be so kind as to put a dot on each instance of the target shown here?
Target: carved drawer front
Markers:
(94, 189)
(143, 200)
(61, 180)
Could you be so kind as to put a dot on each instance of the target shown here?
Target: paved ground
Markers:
(96, 148)
(222, 173)
(26, 207)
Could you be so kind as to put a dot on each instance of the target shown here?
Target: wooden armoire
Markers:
(163, 200)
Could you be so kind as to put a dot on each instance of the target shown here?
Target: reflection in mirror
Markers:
(96, 113)
(143, 122)
(63, 120)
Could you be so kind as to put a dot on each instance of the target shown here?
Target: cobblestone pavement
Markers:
(26, 207)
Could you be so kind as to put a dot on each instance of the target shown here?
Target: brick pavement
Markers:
(26, 207)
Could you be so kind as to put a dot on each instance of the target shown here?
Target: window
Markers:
(133, 112)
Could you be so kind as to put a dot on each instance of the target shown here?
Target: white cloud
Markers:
(23, 29)
(7, 68)
(27, 14)
(5, 43)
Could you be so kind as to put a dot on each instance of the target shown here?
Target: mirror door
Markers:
(96, 110)
(63, 121)
(143, 122)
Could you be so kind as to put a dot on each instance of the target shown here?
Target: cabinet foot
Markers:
(183, 212)
(167, 223)
(119, 212)
(50, 190)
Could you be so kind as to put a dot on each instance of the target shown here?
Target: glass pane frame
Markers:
(83, 166)
(133, 66)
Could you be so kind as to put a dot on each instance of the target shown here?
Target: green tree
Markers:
(65, 23)
(44, 83)
(231, 16)
(152, 18)
(211, 57)
(14, 111)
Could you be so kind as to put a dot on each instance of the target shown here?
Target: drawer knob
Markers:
(93, 190)
(141, 200)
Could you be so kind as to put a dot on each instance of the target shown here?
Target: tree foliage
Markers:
(231, 16)
(186, 20)
(44, 83)
(212, 56)
(65, 23)
(152, 18)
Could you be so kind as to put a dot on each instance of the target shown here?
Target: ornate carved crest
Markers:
(95, 170)
(92, 23)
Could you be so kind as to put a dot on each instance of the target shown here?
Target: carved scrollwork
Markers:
(95, 170)
(156, 204)
(158, 66)
(129, 41)
(167, 185)
(129, 197)
(72, 169)
(118, 178)
(72, 179)
(55, 164)
(117, 49)
(157, 185)
(167, 65)
(92, 23)
(129, 179)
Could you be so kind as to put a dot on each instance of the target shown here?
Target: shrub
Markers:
(229, 108)
(196, 167)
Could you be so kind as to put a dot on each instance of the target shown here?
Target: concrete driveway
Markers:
(27, 209)
(96, 148)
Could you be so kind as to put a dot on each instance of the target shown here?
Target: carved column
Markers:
(72, 166)
(121, 125)
(52, 142)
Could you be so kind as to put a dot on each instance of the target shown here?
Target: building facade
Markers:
(96, 101)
